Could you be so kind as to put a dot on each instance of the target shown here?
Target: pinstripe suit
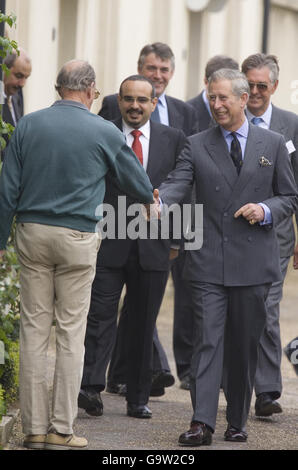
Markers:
(237, 263)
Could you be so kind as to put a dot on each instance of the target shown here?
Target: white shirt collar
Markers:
(145, 129)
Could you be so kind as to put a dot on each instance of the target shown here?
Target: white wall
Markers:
(110, 34)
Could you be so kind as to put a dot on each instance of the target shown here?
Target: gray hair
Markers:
(257, 61)
(10, 59)
(75, 75)
(161, 50)
(237, 79)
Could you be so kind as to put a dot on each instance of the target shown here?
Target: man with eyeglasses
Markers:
(262, 74)
(141, 265)
(157, 63)
(53, 179)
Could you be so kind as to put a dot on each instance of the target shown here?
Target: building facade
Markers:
(110, 33)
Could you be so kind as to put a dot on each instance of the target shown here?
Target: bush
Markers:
(9, 327)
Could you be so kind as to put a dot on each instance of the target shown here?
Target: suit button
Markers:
(225, 214)
(217, 188)
(249, 239)
(225, 239)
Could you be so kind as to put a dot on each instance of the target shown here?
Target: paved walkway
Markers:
(172, 412)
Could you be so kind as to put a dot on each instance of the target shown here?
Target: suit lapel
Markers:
(175, 118)
(276, 123)
(218, 150)
(253, 151)
(157, 149)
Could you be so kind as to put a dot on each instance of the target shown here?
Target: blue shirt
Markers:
(163, 110)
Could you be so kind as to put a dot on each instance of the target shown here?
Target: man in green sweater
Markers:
(53, 180)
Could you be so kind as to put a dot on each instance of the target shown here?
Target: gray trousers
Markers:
(229, 324)
(268, 374)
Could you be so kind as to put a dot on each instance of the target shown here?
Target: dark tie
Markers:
(136, 145)
(256, 120)
(236, 152)
(155, 115)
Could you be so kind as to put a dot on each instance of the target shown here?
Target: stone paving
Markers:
(172, 412)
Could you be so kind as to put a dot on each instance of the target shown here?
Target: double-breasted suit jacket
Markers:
(234, 252)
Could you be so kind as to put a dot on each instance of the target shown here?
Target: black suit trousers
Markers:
(144, 293)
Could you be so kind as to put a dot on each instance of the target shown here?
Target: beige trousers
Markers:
(57, 270)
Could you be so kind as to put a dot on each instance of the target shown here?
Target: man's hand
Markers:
(153, 209)
(253, 213)
(173, 253)
(295, 258)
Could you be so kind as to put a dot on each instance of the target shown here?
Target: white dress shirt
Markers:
(144, 139)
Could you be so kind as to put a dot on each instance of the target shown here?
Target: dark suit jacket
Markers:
(165, 145)
(181, 115)
(203, 115)
(18, 106)
(286, 123)
(234, 253)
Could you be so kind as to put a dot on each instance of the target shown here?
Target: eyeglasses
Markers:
(260, 86)
(139, 99)
(96, 94)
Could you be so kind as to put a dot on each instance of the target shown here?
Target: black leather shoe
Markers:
(157, 392)
(138, 411)
(198, 435)
(119, 389)
(266, 406)
(91, 402)
(160, 380)
(235, 435)
(185, 384)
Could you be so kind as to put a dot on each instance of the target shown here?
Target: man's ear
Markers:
(275, 85)
(154, 103)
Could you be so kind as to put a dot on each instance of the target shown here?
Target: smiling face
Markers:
(261, 89)
(136, 103)
(226, 107)
(159, 71)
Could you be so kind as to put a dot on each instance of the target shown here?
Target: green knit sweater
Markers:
(54, 169)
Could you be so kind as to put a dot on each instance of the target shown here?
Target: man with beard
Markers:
(141, 265)
(157, 63)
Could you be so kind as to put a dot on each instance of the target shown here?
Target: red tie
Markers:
(137, 146)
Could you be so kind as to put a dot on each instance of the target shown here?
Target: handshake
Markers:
(153, 209)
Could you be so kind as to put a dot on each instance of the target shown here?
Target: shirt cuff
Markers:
(268, 216)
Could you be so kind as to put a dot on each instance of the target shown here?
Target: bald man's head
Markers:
(75, 75)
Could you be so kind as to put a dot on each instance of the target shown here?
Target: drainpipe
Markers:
(266, 4)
